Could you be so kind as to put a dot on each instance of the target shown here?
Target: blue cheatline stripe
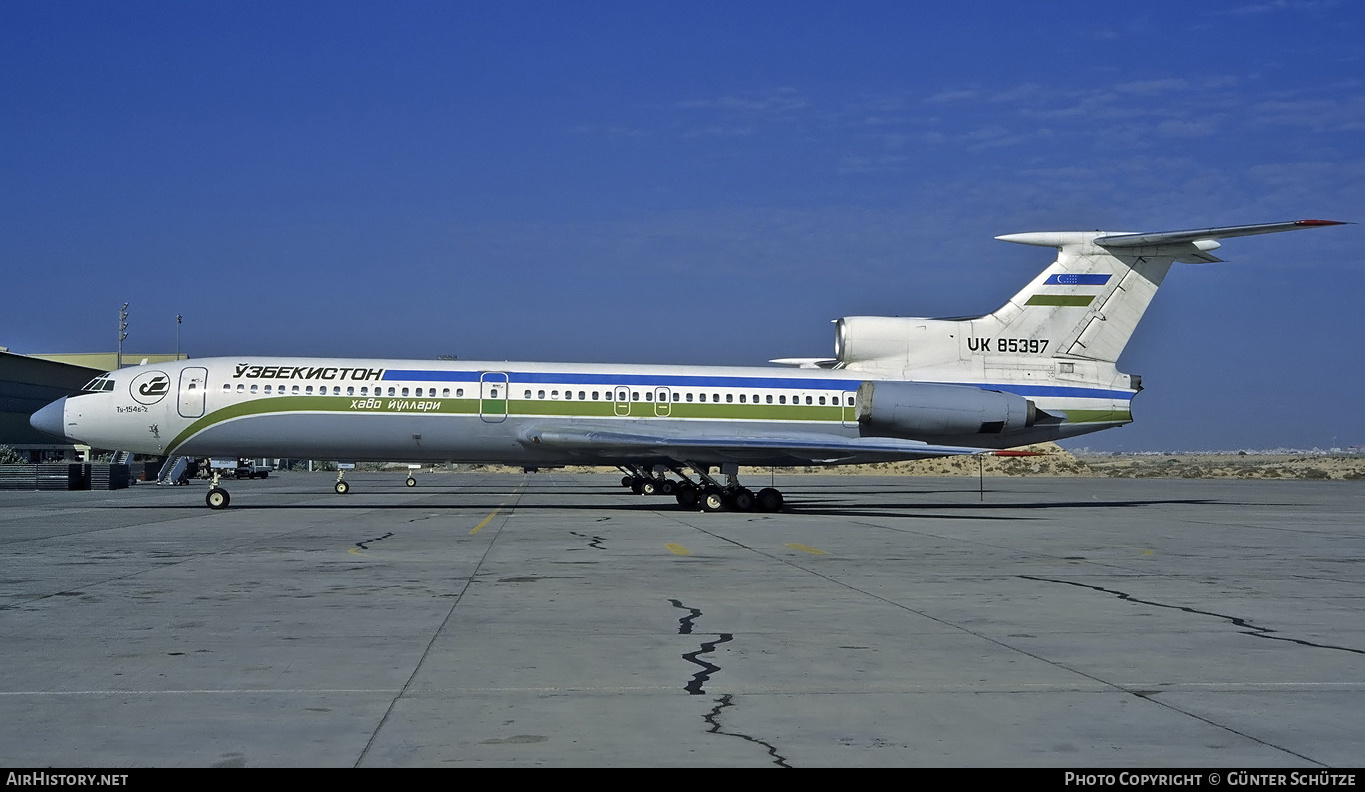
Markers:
(1050, 390)
(1076, 279)
(642, 380)
(682, 381)
(414, 375)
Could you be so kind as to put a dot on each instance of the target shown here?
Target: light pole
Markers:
(122, 333)
(177, 337)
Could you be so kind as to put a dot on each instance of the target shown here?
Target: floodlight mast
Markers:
(122, 332)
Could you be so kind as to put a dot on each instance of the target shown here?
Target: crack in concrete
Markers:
(595, 542)
(695, 686)
(726, 701)
(362, 546)
(1247, 627)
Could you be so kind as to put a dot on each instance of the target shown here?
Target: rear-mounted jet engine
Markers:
(917, 410)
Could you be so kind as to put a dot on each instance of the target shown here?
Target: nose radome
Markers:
(51, 419)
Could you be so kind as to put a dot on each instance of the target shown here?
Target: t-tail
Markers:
(1054, 343)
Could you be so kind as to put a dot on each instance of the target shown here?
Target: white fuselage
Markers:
(409, 410)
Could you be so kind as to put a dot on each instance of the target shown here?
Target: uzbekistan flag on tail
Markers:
(1069, 300)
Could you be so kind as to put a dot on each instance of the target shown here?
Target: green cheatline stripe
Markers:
(1066, 300)
(1098, 416)
(536, 407)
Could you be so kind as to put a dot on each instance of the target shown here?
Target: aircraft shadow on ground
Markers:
(796, 505)
(969, 511)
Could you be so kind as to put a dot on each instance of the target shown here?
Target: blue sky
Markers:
(686, 182)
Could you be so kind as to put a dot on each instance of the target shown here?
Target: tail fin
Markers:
(1088, 303)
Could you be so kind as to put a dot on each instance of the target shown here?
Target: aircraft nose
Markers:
(51, 419)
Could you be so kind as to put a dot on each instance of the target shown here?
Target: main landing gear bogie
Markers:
(707, 496)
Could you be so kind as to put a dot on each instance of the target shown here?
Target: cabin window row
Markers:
(688, 396)
(351, 390)
(583, 395)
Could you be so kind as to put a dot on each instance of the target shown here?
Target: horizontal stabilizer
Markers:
(1113, 239)
(1194, 235)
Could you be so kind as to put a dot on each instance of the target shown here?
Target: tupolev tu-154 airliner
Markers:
(1040, 368)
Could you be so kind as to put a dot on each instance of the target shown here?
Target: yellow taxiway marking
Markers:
(677, 549)
(805, 549)
(486, 520)
(490, 517)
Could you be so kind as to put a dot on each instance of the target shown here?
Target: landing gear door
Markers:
(493, 396)
(194, 382)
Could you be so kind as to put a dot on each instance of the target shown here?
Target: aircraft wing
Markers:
(602, 445)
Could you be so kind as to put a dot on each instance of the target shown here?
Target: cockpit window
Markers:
(99, 385)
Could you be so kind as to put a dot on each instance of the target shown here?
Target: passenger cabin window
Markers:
(729, 397)
(405, 391)
(253, 387)
(580, 394)
(459, 392)
(527, 395)
(445, 392)
(781, 399)
(701, 397)
(240, 387)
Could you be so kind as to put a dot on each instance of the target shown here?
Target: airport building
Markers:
(30, 382)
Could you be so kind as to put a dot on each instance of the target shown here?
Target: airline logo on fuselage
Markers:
(150, 387)
(248, 371)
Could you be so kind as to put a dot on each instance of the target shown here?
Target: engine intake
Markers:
(916, 410)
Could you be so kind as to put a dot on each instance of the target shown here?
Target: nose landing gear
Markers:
(217, 497)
